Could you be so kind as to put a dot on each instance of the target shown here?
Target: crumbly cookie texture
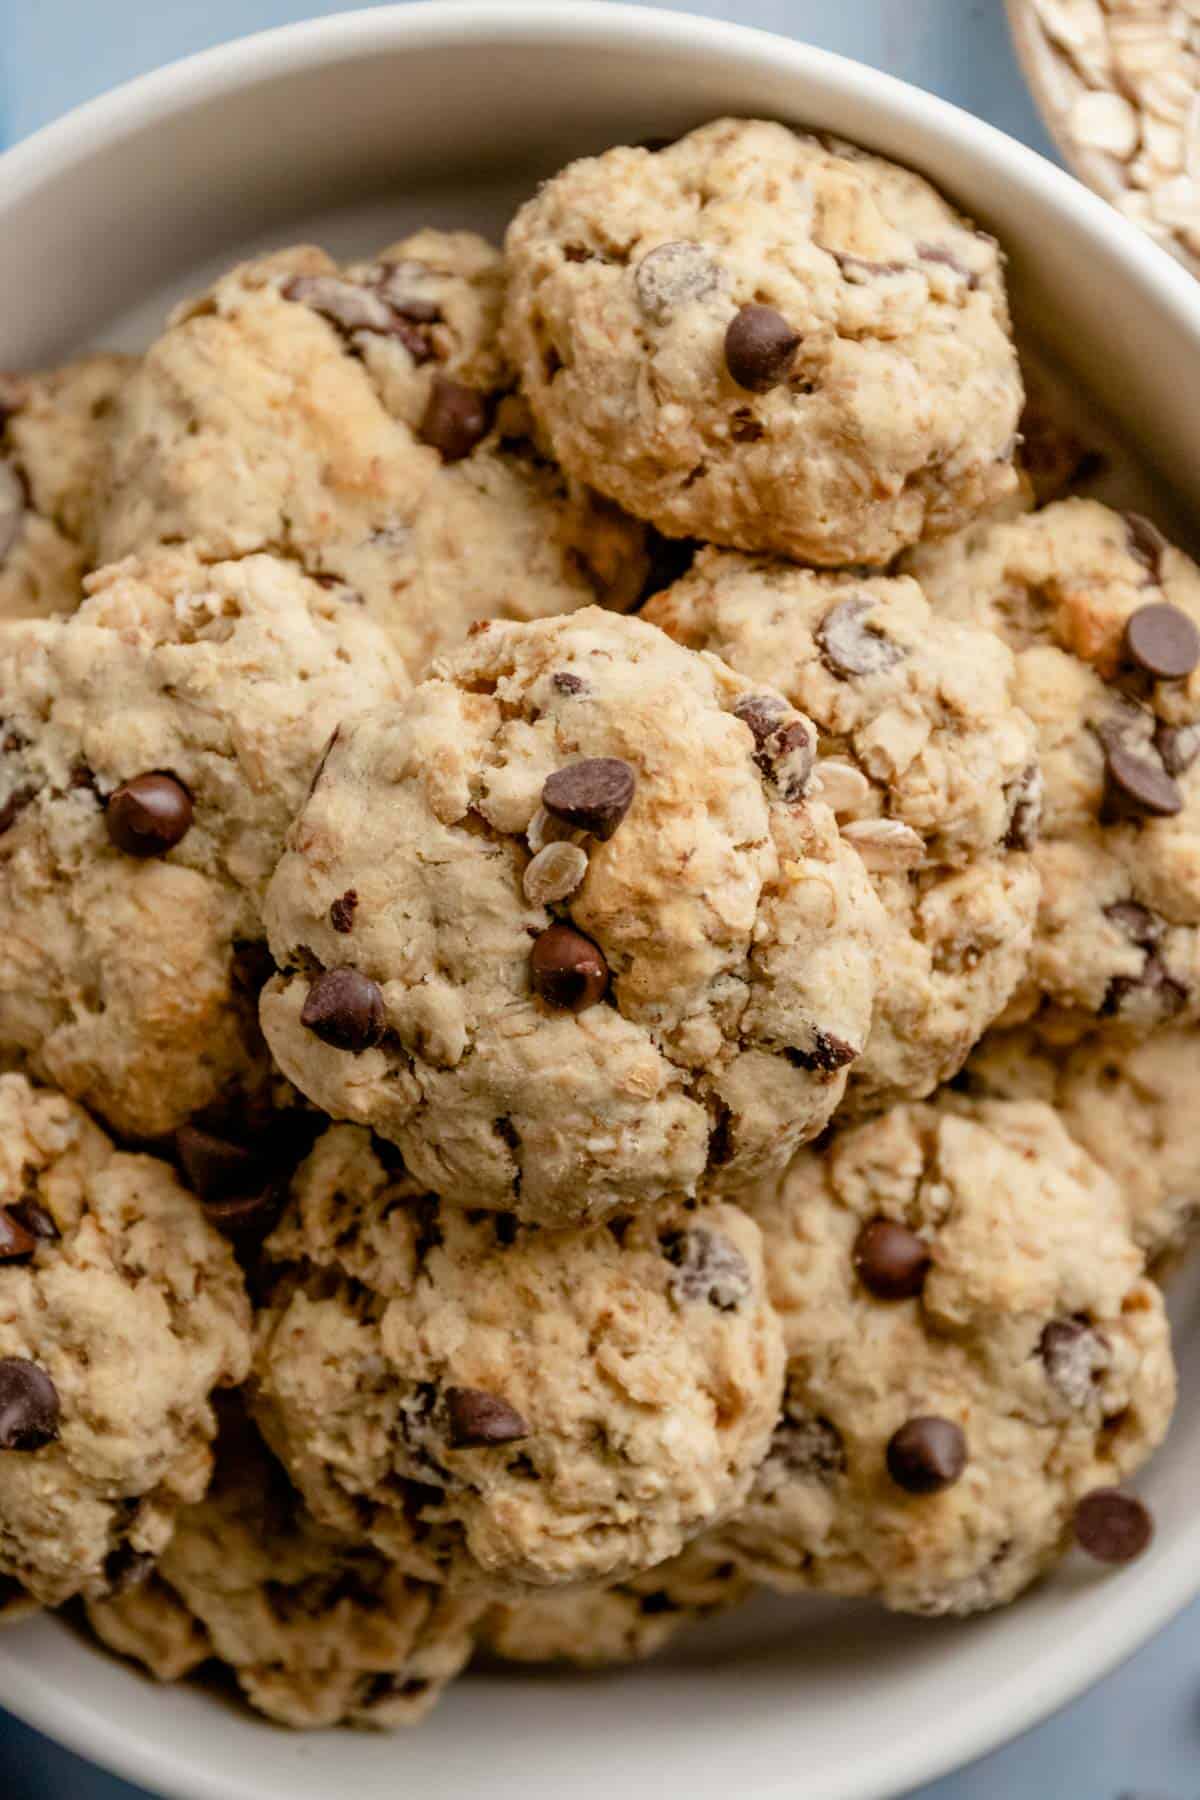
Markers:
(767, 341)
(54, 434)
(1104, 617)
(561, 1002)
(359, 420)
(1130, 1106)
(156, 746)
(628, 1622)
(121, 1310)
(934, 1443)
(500, 1405)
(318, 1631)
(931, 768)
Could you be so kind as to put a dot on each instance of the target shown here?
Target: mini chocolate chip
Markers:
(479, 1418)
(14, 806)
(849, 647)
(34, 1218)
(566, 682)
(567, 970)
(1162, 641)
(149, 815)
(1137, 782)
(673, 275)
(891, 1261)
(592, 795)
(455, 420)
(1178, 745)
(15, 1241)
(760, 348)
(1074, 1355)
(29, 1405)
(708, 1267)
(926, 1455)
(1136, 922)
(1112, 1526)
(345, 1008)
(126, 1568)
(828, 1053)
(12, 508)
(1146, 541)
(342, 911)
(216, 1168)
(1025, 798)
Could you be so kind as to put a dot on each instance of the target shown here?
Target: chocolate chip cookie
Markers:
(768, 341)
(569, 929)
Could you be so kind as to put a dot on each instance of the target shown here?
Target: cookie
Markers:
(568, 930)
(155, 747)
(496, 1405)
(931, 767)
(972, 1349)
(768, 341)
(628, 1622)
(54, 431)
(1129, 1106)
(359, 421)
(1104, 618)
(121, 1310)
(318, 1631)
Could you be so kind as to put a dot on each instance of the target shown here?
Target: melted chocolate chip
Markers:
(786, 744)
(1112, 1526)
(345, 1008)
(1154, 993)
(477, 1418)
(1025, 798)
(1162, 641)
(760, 348)
(708, 1267)
(674, 275)
(891, 1261)
(342, 911)
(1074, 1355)
(29, 1406)
(937, 253)
(849, 647)
(593, 795)
(926, 1455)
(567, 683)
(828, 1053)
(1136, 922)
(808, 1448)
(456, 419)
(567, 970)
(149, 815)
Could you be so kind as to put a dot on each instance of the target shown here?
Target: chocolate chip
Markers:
(1162, 641)
(849, 647)
(245, 1218)
(14, 806)
(149, 815)
(1154, 994)
(355, 306)
(808, 1448)
(567, 970)
(861, 265)
(395, 286)
(593, 795)
(1074, 1355)
(342, 911)
(760, 348)
(828, 1053)
(345, 1008)
(926, 1455)
(34, 1218)
(1025, 798)
(891, 1261)
(479, 1418)
(29, 1405)
(937, 253)
(1112, 1526)
(1178, 745)
(15, 1241)
(708, 1267)
(567, 683)
(12, 508)
(673, 275)
(1136, 922)
(1138, 783)
(126, 1568)
(786, 743)
(455, 420)
(1146, 541)
(214, 1167)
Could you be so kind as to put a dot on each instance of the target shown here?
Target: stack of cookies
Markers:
(599, 944)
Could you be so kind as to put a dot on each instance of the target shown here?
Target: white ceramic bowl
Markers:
(352, 129)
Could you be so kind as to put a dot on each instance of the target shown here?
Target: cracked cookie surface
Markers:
(766, 341)
(568, 929)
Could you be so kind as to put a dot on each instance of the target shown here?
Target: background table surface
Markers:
(1137, 1736)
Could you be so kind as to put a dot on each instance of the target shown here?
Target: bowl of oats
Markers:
(1118, 84)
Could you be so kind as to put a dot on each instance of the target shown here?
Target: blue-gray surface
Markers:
(1137, 1736)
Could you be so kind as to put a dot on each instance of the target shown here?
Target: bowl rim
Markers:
(1170, 1579)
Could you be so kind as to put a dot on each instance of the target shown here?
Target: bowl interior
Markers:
(352, 133)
